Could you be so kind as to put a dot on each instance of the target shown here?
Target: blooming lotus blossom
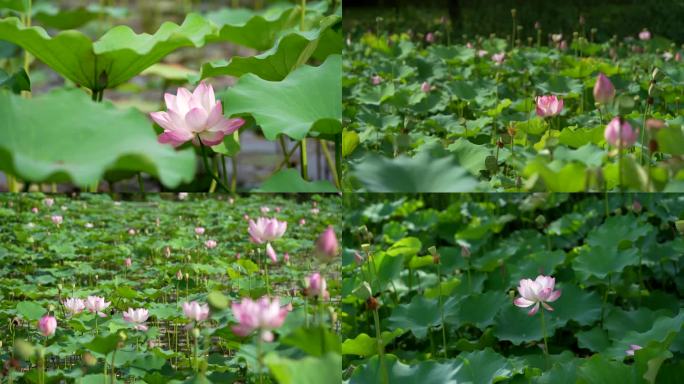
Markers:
(430, 37)
(128, 262)
(195, 311)
(316, 286)
(278, 209)
(131, 232)
(619, 133)
(211, 244)
(271, 253)
(286, 257)
(536, 292)
(633, 348)
(182, 195)
(376, 80)
(604, 91)
(557, 37)
(47, 325)
(667, 56)
(678, 56)
(563, 46)
(96, 304)
(57, 219)
(302, 221)
(425, 87)
(245, 216)
(34, 210)
(264, 315)
(499, 58)
(264, 210)
(482, 53)
(264, 229)
(315, 211)
(195, 116)
(199, 231)
(327, 245)
(48, 202)
(549, 105)
(645, 35)
(138, 317)
(74, 306)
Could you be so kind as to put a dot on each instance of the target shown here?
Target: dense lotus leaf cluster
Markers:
(488, 115)
(168, 289)
(543, 288)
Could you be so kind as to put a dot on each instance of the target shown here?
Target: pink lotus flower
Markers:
(264, 229)
(499, 58)
(211, 244)
(264, 210)
(195, 312)
(196, 116)
(271, 253)
(286, 257)
(246, 217)
(376, 80)
(199, 231)
(327, 245)
(128, 262)
(425, 87)
(263, 315)
(47, 325)
(179, 275)
(278, 209)
(645, 35)
(57, 220)
(430, 37)
(549, 105)
(48, 202)
(138, 317)
(96, 304)
(604, 92)
(678, 56)
(238, 255)
(563, 46)
(620, 134)
(302, 221)
(317, 287)
(34, 210)
(131, 232)
(482, 53)
(535, 292)
(74, 306)
(633, 348)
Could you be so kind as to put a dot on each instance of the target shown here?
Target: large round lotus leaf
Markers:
(64, 136)
(423, 172)
(515, 325)
(49, 15)
(118, 56)
(479, 309)
(484, 366)
(309, 370)
(307, 99)
(419, 315)
(599, 261)
(290, 51)
(258, 30)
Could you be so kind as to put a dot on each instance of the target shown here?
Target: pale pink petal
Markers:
(183, 99)
(554, 296)
(550, 308)
(215, 116)
(227, 126)
(533, 310)
(196, 119)
(211, 138)
(522, 302)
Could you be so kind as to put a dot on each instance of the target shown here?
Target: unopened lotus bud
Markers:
(89, 359)
(514, 12)
(435, 254)
(365, 247)
(372, 304)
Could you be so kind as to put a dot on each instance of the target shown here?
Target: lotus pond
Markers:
(184, 95)
(534, 288)
(538, 110)
(169, 289)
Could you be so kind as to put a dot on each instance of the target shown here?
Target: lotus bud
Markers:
(604, 91)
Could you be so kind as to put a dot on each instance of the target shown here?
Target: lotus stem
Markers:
(441, 309)
(206, 166)
(331, 164)
(233, 176)
(301, 24)
(303, 160)
(546, 345)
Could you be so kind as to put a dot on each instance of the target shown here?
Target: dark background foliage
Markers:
(473, 17)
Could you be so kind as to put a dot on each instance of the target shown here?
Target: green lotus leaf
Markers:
(408, 246)
(116, 57)
(423, 172)
(308, 99)
(602, 260)
(290, 181)
(309, 370)
(515, 325)
(254, 29)
(290, 51)
(49, 15)
(366, 346)
(419, 315)
(86, 140)
(479, 309)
